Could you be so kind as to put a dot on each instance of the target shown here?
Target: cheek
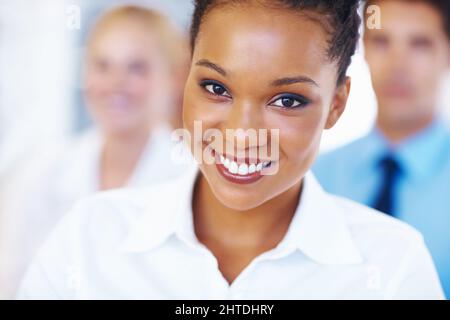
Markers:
(189, 103)
(139, 86)
(144, 92)
(96, 85)
(96, 93)
(300, 137)
(376, 68)
(375, 60)
(188, 106)
(196, 107)
(428, 71)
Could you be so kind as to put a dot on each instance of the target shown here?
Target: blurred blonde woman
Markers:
(133, 80)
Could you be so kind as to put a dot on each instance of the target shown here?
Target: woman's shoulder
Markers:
(93, 232)
(374, 229)
(99, 222)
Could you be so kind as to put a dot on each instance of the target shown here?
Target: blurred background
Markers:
(41, 56)
(40, 69)
(42, 45)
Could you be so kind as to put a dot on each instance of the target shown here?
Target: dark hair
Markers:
(443, 6)
(341, 19)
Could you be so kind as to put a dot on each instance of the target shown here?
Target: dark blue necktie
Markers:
(386, 196)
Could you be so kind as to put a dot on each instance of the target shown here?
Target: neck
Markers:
(398, 132)
(119, 144)
(260, 228)
(120, 156)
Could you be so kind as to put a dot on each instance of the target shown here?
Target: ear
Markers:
(338, 104)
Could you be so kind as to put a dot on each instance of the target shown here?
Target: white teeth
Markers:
(233, 167)
(259, 167)
(243, 169)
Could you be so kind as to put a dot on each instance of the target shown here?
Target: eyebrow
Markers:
(279, 82)
(211, 65)
(293, 80)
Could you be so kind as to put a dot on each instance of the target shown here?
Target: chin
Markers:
(239, 198)
(396, 107)
(121, 129)
(239, 201)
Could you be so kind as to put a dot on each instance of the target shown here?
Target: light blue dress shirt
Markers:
(423, 192)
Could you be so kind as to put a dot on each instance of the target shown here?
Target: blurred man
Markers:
(403, 166)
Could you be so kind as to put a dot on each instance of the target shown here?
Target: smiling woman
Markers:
(255, 65)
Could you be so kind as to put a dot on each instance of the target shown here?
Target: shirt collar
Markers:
(318, 229)
(419, 155)
(166, 212)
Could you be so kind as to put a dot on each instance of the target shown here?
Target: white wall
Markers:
(33, 79)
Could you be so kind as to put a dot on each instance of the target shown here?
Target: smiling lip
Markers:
(244, 173)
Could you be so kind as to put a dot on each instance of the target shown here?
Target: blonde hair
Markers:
(173, 43)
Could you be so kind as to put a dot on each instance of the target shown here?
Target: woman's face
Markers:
(260, 68)
(127, 78)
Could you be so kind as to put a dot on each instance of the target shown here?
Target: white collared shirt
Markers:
(56, 182)
(140, 244)
(75, 174)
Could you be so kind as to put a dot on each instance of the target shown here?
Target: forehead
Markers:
(122, 37)
(409, 18)
(252, 37)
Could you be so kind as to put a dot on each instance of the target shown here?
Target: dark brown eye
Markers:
(287, 102)
(215, 88)
(290, 101)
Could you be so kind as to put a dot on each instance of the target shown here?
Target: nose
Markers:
(116, 80)
(398, 61)
(242, 128)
